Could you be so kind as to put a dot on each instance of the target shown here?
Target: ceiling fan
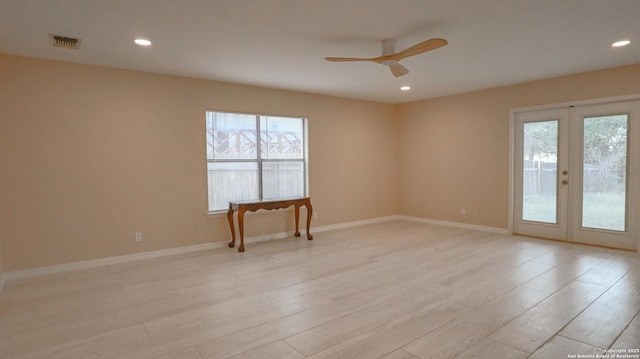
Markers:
(390, 57)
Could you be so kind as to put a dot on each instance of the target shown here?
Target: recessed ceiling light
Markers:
(405, 88)
(621, 43)
(142, 42)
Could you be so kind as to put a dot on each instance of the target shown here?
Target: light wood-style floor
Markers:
(394, 290)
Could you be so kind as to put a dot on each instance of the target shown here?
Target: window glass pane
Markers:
(231, 136)
(283, 179)
(540, 171)
(245, 166)
(231, 181)
(282, 138)
(604, 172)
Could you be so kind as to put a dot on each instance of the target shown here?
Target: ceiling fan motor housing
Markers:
(388, 47)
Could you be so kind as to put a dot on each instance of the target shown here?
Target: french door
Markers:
(577, 173)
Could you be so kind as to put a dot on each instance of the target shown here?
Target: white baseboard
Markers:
(41, 271)
(36, 272)
(439, 222)
(354, 223)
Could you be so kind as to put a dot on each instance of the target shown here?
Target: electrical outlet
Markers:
(315, 215)
(138, 236)
(463, 211)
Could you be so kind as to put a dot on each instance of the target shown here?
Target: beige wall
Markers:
(90, 155)
(1, 270)
(454, 150)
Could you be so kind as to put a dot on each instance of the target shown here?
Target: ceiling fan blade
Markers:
(420, 48)
(398, 70)
(341, 59)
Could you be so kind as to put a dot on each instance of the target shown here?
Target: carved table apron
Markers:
(252, 206)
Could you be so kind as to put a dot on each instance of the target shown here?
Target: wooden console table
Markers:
(252, 206)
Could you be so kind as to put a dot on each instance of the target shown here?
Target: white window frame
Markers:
(258, 160)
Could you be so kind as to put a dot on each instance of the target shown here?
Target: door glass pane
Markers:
(604, 184)
(540, 171)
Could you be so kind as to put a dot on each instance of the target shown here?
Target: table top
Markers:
(268, 200)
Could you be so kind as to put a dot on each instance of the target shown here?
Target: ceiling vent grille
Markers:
(64, 42)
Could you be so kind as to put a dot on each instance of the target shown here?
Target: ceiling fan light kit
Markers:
(390, 57)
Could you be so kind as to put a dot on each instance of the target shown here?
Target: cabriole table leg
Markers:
(232, 227)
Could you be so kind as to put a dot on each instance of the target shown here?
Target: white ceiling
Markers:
(282, 43)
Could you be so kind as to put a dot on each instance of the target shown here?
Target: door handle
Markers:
(565, 182)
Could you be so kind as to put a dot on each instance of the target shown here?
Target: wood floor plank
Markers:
(487, 348)
(609, 271)
(344, 318)
(253, 312)
(601, 323)
(399, 354)
(275, 350)
(346, 340)
(125, 337)
(462, 333)
(561, 347)
(188, 353)
(540, 323)
(630, 337)
(484, 290)
(565, 272)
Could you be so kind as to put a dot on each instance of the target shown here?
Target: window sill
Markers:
(216, 214)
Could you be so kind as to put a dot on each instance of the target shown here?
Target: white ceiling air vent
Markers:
(64, 41)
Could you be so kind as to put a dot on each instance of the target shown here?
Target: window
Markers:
(255, 157)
